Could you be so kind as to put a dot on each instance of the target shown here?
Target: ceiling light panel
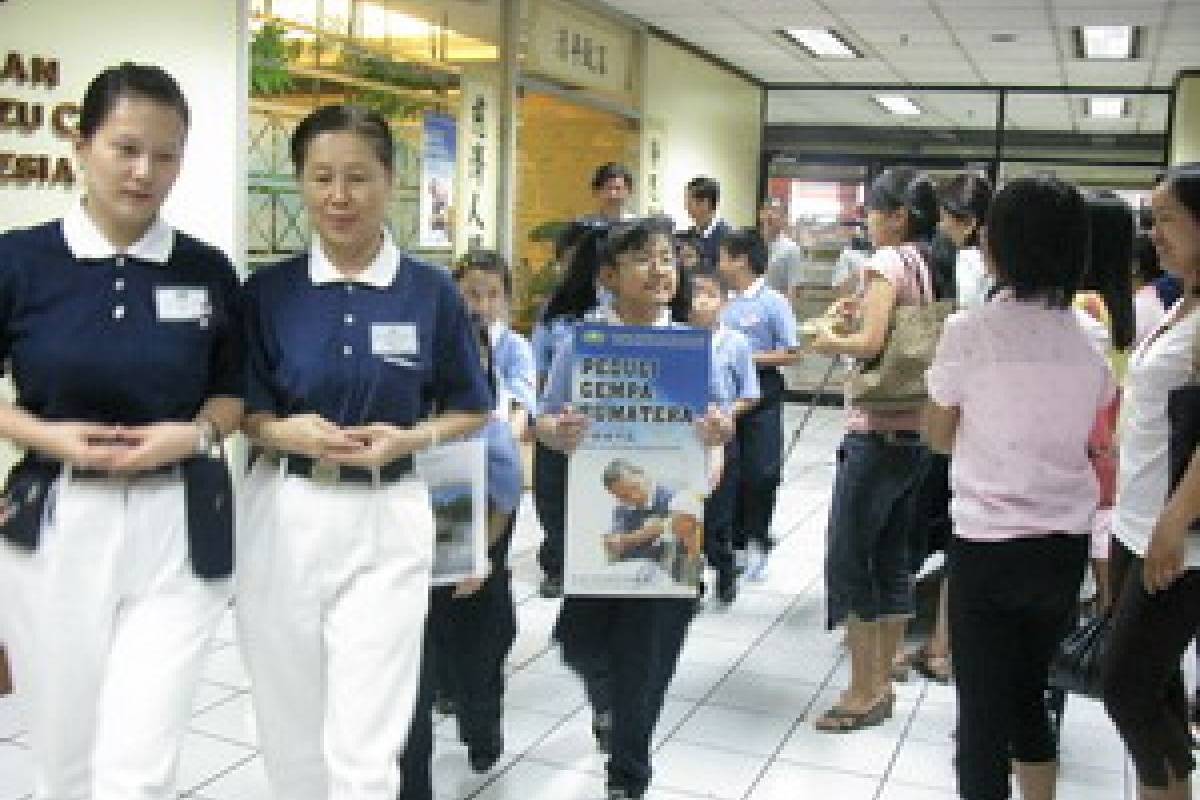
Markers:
(1106, 42)
(1106, 107)
(822, 43)
(897, 104)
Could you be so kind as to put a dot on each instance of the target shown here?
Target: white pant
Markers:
(332, 592)
(107, 628)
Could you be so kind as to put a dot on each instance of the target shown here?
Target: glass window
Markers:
(426, 66)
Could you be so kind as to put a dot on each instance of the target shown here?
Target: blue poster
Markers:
(636, 485)
(439, 153)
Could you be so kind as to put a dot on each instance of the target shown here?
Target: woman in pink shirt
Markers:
(1014, 388)
(881, 459)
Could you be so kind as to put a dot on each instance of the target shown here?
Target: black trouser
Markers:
(931, 524)
(718, 515)
(550, 503)
(760, 463)
(466, 642)
(636, 643)
(1143, 677)
(1011, 603)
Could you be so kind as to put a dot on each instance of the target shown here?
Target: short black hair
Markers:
(1039, 238)
(1112, 226)
(129, 80)
(912, 190)
(606, 172)
(366, 122)
(1183, 181)
(968, 196)
(633, 235)
(747, 242)
(485, 261)
(705, 188)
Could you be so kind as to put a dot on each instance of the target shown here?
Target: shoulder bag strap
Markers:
(924, 279)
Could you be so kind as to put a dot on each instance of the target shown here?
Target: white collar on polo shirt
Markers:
(712, 225)
(379, 274)
(752, 290)
(609, 315)
(86, 240)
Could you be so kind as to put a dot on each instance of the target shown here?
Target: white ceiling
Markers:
(929, 42)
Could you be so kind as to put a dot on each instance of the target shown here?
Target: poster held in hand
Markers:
(636, 484)
(455, 473)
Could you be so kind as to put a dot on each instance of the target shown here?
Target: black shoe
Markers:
(726, 587)
(484, 751)
(550, 587)
(602, 730)
(621, 793)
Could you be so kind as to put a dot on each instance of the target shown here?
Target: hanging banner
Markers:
(439, 151)
(478, 156)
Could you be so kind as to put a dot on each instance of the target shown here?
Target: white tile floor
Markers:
(737, 723)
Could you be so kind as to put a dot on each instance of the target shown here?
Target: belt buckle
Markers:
(324, 472)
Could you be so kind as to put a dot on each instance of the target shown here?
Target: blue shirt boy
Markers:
(763, 316)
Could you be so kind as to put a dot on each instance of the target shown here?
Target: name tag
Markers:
(394, 340)
(175, 303)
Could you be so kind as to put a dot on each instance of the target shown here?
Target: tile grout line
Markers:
(900, 741)
(492, 778)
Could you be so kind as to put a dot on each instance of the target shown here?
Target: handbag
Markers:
(894, 380)
(1076, 664)
(1183, 420)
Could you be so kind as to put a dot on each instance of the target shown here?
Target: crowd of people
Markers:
(1038, 448)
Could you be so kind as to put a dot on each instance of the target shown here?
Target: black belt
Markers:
(92, 474)
(893, 437)
(324, 472)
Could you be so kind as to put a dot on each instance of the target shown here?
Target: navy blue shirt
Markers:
(627, 519)
(117, 338)
(710, 245)
(391, 351)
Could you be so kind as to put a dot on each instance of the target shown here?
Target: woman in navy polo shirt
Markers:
(124, 345)
(359, 356)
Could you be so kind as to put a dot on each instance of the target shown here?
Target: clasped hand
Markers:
(372, 445)
(120, 448)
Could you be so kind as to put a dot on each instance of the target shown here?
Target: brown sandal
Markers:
(842, 720)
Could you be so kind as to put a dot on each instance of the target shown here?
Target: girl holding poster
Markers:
(633, 641)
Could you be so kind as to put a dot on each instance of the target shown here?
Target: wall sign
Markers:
(20, 119)
(579, 48)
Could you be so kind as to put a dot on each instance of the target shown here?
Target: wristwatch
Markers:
(209, 436)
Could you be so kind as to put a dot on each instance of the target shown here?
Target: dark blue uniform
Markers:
(393, 345)
(764, 317)
(113, 601)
